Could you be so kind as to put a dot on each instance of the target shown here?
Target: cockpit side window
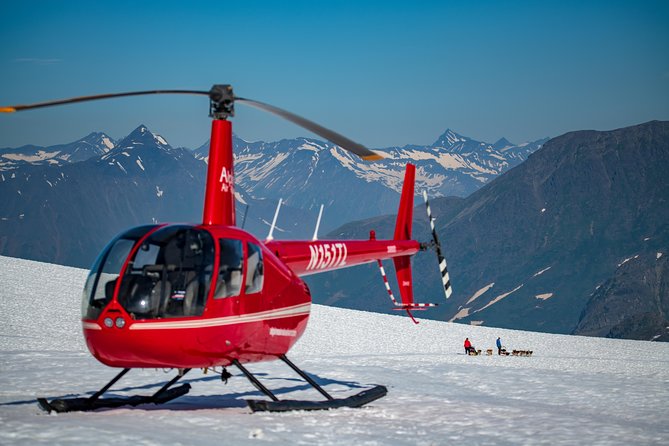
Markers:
(229, 282)
(254, 269)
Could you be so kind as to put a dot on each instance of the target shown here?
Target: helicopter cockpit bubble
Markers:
(101, 281)
(169, 276)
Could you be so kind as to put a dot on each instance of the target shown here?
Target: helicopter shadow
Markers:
(218, 401)
(237, 399)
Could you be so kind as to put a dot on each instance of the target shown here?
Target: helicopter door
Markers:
(169, 275)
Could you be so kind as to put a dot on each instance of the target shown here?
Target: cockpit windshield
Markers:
(169, 275)
(101, 281)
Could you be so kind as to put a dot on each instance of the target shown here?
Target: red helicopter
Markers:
(185, 296)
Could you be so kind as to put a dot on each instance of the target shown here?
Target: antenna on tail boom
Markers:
(276, 215)
(318, 223)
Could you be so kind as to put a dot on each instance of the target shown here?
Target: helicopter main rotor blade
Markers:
(319, 130)
(340, 140)
(15, 108)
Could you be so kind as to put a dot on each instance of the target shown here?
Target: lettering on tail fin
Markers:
(327, 255)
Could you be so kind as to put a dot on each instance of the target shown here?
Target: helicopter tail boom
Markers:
(316, 256)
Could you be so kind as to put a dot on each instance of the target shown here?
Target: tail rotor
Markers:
(443, 269)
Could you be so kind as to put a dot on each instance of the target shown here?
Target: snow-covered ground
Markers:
(573, 390)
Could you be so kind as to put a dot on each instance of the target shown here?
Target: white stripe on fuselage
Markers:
(279, 313)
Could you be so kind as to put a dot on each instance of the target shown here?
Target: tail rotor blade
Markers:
(445, 279)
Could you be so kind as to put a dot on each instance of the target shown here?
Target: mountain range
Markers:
(62, 203)
(303, 172)
(568, 235)
(67, 211)
(95, 144)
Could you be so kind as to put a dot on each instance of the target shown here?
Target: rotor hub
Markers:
(221, 101)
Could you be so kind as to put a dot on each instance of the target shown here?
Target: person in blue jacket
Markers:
(499, 346)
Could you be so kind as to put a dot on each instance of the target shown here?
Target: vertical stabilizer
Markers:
(403, 232)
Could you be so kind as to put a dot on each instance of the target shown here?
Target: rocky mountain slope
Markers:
(634, 303)
(528, 249)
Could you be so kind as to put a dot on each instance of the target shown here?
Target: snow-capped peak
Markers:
(142, 136)
(449, 138)
(502, 144)
(135, 151)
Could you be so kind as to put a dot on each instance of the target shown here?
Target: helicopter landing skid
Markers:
(94, 402)
(276, 405)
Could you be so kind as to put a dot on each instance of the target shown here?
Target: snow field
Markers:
(573, 390)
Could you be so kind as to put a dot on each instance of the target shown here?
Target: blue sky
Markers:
(383, 73)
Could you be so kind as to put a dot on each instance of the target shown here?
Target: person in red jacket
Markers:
(468, 346)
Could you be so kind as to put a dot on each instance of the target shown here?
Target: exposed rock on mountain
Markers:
(634, 303)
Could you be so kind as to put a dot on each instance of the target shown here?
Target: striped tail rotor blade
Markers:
(443, 268)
